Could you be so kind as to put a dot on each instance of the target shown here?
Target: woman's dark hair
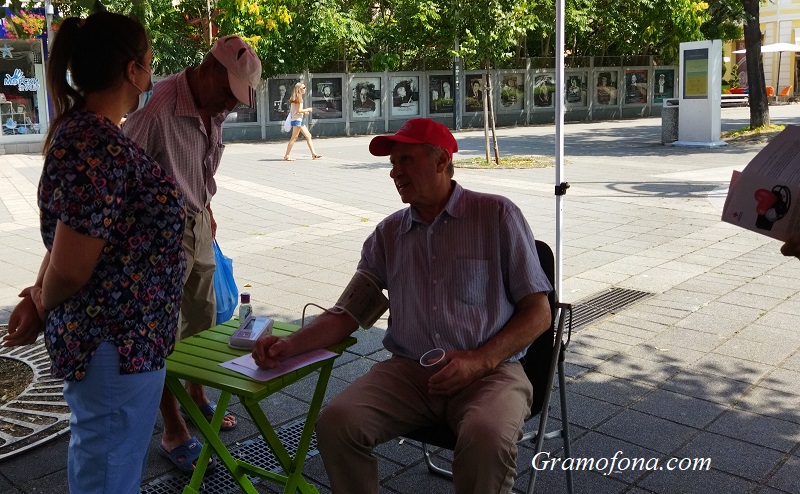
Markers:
(94, 52)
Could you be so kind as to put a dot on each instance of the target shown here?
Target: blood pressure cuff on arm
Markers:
(363, 299)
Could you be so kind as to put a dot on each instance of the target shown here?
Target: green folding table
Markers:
(197, 359)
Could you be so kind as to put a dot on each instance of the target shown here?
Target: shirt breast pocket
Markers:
(472, 281)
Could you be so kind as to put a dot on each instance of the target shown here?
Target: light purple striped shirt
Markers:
(453, 283)
(170, 129)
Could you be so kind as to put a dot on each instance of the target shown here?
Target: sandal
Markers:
(316, 156)
(185, 454)
(286, 158)
(208, 412)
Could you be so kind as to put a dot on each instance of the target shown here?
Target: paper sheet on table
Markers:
(760, 196)
(247, 366)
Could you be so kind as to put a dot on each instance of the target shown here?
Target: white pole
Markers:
(48, 14)
(778, 40)
(559, 165)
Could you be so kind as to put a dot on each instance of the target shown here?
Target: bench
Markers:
(734, 100)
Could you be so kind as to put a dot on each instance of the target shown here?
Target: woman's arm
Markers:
(72, 261)
(299, 109)
(28, 317)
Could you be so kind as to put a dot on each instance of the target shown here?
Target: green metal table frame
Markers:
(197, 359)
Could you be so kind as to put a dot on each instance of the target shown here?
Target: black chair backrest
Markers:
(539, 357)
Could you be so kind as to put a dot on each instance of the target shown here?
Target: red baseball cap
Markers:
(244, 67)
(416, 131)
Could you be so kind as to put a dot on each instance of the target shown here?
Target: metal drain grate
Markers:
(39, 414)
(589, 310)
(254, 451)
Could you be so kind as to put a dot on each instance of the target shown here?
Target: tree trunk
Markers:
(756, 87)
(545, 48)
(208, 10)
(490, 104)
(484, 100)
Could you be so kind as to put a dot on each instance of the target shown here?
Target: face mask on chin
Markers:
(144, 95)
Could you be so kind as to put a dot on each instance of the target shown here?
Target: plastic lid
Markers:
(245, 298)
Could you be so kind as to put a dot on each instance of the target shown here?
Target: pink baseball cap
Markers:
(416, 131)
(244, 67)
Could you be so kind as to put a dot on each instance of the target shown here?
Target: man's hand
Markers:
(269, 351)
(791, 247)
(213, 223)
(26, 321)
(461, 370)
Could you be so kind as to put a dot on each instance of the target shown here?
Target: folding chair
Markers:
(784, 94)
(543, 359)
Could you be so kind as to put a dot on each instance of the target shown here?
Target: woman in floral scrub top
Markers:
(109, 289)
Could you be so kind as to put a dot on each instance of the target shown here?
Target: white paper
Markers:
(247, 366)
(764, 197)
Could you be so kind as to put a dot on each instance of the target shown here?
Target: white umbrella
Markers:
(775, 47)
(778, 48)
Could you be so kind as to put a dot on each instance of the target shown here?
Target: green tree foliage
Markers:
(725, 20)
(492, 30)
(409, 34)
(292, 36)
(175, 32)
(621, 27)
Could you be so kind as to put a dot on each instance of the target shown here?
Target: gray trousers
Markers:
(392, 399)
(199, 303)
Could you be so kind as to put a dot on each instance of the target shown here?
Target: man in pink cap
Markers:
(463, 275)
(181, 128)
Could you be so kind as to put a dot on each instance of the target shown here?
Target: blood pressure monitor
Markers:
(362, 299)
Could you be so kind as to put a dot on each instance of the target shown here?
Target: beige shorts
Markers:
(199, 305)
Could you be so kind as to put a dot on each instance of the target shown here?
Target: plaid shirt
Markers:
(170, 129)
(454, 283)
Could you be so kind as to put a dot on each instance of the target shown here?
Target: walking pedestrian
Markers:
(298, 112)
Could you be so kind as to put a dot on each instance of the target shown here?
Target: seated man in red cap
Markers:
(462, 274)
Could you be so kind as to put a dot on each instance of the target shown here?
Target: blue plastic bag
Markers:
(224, 286)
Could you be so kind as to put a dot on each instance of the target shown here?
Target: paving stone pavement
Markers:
(708, 366)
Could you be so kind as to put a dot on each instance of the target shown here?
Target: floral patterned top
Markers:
(101, 184)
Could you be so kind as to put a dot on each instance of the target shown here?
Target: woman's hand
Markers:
(27, 320)
(35, 293)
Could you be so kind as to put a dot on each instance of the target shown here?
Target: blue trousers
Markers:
(111, 425)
